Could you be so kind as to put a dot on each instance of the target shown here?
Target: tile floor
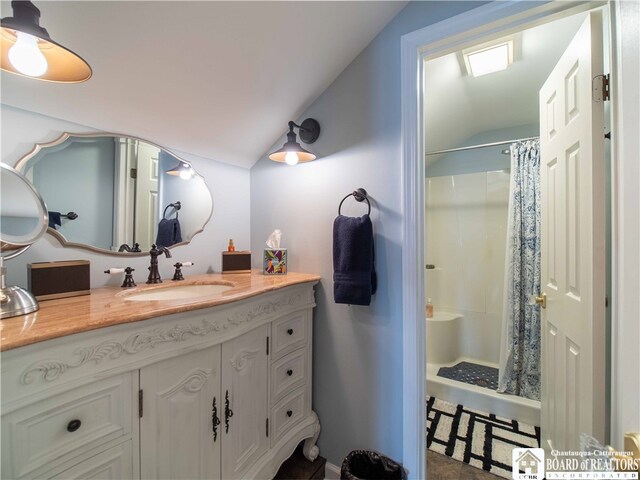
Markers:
(441, 467)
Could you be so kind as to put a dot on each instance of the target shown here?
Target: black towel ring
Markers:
(360, 195)
(177, 206)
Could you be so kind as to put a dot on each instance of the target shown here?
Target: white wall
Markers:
(229, 187)
(465, 238)
(357, 383)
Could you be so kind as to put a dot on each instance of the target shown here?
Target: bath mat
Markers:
(479, 439)
(472, 373)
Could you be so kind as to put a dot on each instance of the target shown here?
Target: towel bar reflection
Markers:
(360, 195)
(176, 206)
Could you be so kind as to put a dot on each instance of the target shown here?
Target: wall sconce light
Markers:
(291, 152)
(182, 170)
(28, 50)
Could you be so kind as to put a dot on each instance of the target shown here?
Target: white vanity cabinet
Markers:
(177, 399)
(222, 392)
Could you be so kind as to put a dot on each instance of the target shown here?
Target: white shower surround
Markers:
(466, 220)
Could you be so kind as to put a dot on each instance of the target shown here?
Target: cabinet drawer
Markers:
(53, 431)
(289, 334)
(113, 464)
(289, 412)
(288, 373)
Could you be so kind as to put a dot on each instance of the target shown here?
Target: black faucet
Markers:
(154, 274)
(126, 248)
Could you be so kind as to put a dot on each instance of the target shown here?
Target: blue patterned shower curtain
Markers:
(520, 352)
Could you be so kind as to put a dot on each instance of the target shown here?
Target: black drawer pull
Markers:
(290, 331)
(289, 372)
(73, 425)
(289, 413)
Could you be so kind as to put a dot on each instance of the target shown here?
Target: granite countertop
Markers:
(108, 306)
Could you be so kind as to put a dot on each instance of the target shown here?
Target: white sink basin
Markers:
(178, 292)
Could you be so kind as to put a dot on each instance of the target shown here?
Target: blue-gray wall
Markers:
(357, 379)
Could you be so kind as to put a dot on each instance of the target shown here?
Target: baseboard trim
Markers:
(331, 472)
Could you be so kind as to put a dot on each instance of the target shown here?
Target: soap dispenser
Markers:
(429, 308)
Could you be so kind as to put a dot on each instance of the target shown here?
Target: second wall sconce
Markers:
(291, 152)
(182, 170)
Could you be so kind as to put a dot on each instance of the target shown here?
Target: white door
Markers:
(573, 249)
(244, 387)
(146, 216)
(179, 436)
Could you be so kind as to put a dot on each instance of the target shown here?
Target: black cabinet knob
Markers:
(290, 331)
(73, 425)
(289, 372)
(289, 413)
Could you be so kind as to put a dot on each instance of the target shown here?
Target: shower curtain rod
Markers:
(494, 144)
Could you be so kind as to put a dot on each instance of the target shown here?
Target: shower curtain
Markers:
(520, 352)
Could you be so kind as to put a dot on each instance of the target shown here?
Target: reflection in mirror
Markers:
(21, 211)
(116, 193)
(23, 219)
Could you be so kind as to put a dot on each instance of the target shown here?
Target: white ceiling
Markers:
(458, 106)
(216, 79)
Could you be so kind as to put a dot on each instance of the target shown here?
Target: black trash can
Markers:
(367, 465)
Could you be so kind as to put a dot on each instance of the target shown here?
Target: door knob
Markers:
(542, 300)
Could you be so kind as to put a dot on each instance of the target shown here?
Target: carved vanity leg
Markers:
(310, 449)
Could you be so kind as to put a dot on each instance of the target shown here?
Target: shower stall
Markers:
(465, 249)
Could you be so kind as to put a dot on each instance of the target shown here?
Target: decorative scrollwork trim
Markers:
(239, 360)
(50, 370)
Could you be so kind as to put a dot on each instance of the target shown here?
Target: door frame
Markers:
(480, 24)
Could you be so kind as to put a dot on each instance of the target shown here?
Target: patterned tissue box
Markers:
(275, 261)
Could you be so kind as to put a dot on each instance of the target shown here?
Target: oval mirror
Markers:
(23, 214)
(117, 194)
(23, 219)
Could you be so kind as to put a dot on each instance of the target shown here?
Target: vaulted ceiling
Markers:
(459, 106)
(216, 79)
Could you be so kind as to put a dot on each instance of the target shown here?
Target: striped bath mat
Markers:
(480, 439)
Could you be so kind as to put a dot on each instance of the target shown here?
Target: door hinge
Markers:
(134, 173)
(267, 345)
(267, 427)
(140, 398)
(601, 88)
(606, 302)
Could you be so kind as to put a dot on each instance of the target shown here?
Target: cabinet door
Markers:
(244, 384)
(178, 436)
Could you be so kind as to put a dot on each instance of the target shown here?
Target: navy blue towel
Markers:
(168, 232)
(354, 274)
(54, 219)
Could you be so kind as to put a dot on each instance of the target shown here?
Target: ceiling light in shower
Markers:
(489, 59)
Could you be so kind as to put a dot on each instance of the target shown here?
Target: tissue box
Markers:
(274, 261)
